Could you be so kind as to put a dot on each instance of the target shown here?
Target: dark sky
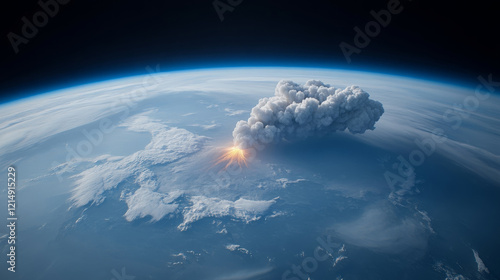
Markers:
(94, 40)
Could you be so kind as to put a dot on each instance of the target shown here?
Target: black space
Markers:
(93, 40)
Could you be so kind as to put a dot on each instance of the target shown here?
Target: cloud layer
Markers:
(241, 209)
(480, 264)
(382, 229)
(305, 110)
(167, 144)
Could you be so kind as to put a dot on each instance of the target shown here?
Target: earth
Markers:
(120, 179)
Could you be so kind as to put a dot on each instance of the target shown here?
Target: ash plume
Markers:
(300, 111)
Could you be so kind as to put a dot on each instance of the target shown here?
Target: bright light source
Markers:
(233, 155)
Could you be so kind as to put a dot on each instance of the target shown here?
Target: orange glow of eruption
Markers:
(233, 155)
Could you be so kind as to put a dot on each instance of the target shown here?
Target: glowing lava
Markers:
(233, 155)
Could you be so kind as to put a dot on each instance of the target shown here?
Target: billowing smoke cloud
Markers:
(298, 111)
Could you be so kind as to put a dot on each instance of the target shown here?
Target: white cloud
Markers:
(300, 111)
(426, 220)
(147, 202)
(180, 255)
(232, 112)
(380, 229)
(222, 231)
(236, 247)
(276, 214)
(480, 264)
(241, 209)
(206, 126)
(400, 191)
(338, 260)
(342, 249)
(167, 145)
(449, 272)
(285, 181)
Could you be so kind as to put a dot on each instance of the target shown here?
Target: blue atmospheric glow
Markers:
(404, 72)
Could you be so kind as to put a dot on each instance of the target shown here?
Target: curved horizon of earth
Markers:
(120, 179)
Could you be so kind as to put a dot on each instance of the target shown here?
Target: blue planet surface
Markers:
(121, 179)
